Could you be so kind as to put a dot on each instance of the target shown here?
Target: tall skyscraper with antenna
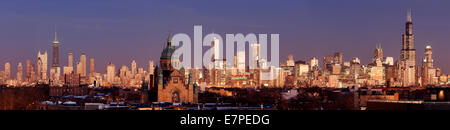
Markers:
(55, 71)
(407, 65)
(55, 51)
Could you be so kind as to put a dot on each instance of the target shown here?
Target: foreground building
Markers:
(171, 82)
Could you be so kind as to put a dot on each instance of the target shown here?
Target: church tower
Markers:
(171, 81)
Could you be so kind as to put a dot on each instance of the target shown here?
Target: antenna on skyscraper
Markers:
(408, 17)
(56, 36)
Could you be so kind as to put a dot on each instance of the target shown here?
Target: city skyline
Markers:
(224, 55)
(155, 40)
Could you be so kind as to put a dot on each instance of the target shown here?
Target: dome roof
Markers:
(167, 53)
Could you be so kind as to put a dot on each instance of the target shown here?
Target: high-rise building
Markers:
(376, 72)
(378, 54)
(327, 62)
(428, 59)
(42, 66)
(19, 72)
(91, 65)
(151, 67)
(313, 63)
(407, 65)
(428, 71)
(39, 69)
(217, 53)
(241, 60)
(256, 51)
(290, 60)
(55, 51)
(123, 72)
(301, 69)
(338, 58)
(110, 72)
(7, 70)
(133, 67)
(69, 68)
(79, 68)
(32, 73)
(28, 73)
(83, 65)
(235, 62)
(70, 60)
(55, 71)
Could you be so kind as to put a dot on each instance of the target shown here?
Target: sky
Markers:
(120, 31)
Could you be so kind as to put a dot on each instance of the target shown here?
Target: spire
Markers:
(408, 16)
(169, 40)
(56, 36)
(378, 46)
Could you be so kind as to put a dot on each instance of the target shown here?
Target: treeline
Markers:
(22, 98)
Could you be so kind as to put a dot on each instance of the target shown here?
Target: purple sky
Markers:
(119, 31)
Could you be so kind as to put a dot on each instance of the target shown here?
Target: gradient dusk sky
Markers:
(119, 31)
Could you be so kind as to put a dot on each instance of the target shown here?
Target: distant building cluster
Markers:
(72, 75)
(382, 71)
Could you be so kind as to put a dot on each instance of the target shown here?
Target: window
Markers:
(175, 79)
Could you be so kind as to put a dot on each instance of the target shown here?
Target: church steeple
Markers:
(169, 40)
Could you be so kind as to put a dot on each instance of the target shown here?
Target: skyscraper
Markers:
(55, 51)
(133, 67)
(290, 60)
(39, 69)
(313, 63)
(83, 65)
(19, 72)
(91, 65)
(327, 62)
(32, 73)
(255, 54)
(28, 74)
(79, 68)
(55, 71)
(70, 60)
(378, 54)
(216, 54)
(428, 71)
(151, 67)
(42, 66)
(110, 72)
(407, 65)
(241, 61)
(7, 70)
(428, 59)
(338, 58)
(69, 68)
